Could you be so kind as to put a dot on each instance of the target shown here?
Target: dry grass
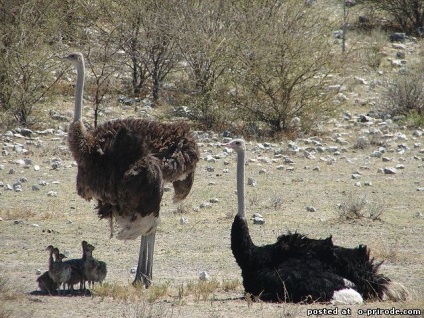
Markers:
(357, 206)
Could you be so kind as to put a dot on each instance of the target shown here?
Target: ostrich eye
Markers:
(238, 143)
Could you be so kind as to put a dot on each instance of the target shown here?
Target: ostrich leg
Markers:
(145, 260)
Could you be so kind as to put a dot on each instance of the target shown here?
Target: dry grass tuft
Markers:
(387, 251)
(202, 290)
(231, 284)
(15, 213)
(145, 309)
(157, 291)
(118, 292)
(8, 293)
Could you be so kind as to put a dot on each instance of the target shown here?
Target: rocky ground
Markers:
(307, 185)
(360, 179)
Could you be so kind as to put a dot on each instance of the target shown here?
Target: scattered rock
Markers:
(251, 182)
(310, 208)
(389, 170)
(204, 276)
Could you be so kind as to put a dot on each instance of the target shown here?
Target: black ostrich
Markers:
(300, 269)
(123, 164)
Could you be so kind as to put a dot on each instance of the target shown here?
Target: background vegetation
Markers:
(262, 67)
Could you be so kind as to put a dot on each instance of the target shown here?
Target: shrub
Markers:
(403, 95)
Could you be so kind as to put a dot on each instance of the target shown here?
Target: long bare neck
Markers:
(79, 90)
(240, 184)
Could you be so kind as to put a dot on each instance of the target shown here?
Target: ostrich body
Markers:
(123, 164)
(300, 269)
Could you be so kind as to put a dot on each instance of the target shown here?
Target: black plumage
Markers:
(300, 269)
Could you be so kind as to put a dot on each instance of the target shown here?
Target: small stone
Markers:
(258, 220)
(133, 270)
(38, 272)
(214, 200)
(251, 182)
(17, 187)
(52, 194)
(183, 220)
(310, 208)
(204, 276)
(205, 205)
(36, 168)
(389, 170)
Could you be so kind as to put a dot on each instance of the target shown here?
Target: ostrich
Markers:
(300, 269)
(60, 273)
(46, 284)
(94, 270)
(123, 164)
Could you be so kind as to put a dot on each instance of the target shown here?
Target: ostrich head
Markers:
(76, 58)
(238, 145)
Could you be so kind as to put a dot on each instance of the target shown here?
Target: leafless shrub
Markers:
(352, 208)
(358, 207)
(402, 95)
(361, 143)
(253, 199)
(387, 251)
(276, 202)
(182, 208)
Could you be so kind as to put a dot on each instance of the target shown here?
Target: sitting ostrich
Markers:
(124, 163)
(46, 284)
(300, 269)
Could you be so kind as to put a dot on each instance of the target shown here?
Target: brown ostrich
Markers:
(124, 163)
(94, 270)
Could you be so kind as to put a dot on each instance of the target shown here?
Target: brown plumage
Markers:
(94, 270)
(46, 284)
(58, 272)
(123, 164)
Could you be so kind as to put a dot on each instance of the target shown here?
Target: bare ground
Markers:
(31, 220)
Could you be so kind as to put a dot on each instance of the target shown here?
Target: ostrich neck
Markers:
(240, 184)
(79, 91)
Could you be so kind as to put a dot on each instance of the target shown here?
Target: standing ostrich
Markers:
(124, 163)
(300, 269)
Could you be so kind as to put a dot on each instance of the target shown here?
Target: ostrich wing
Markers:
(139, 195)
(182, 187)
